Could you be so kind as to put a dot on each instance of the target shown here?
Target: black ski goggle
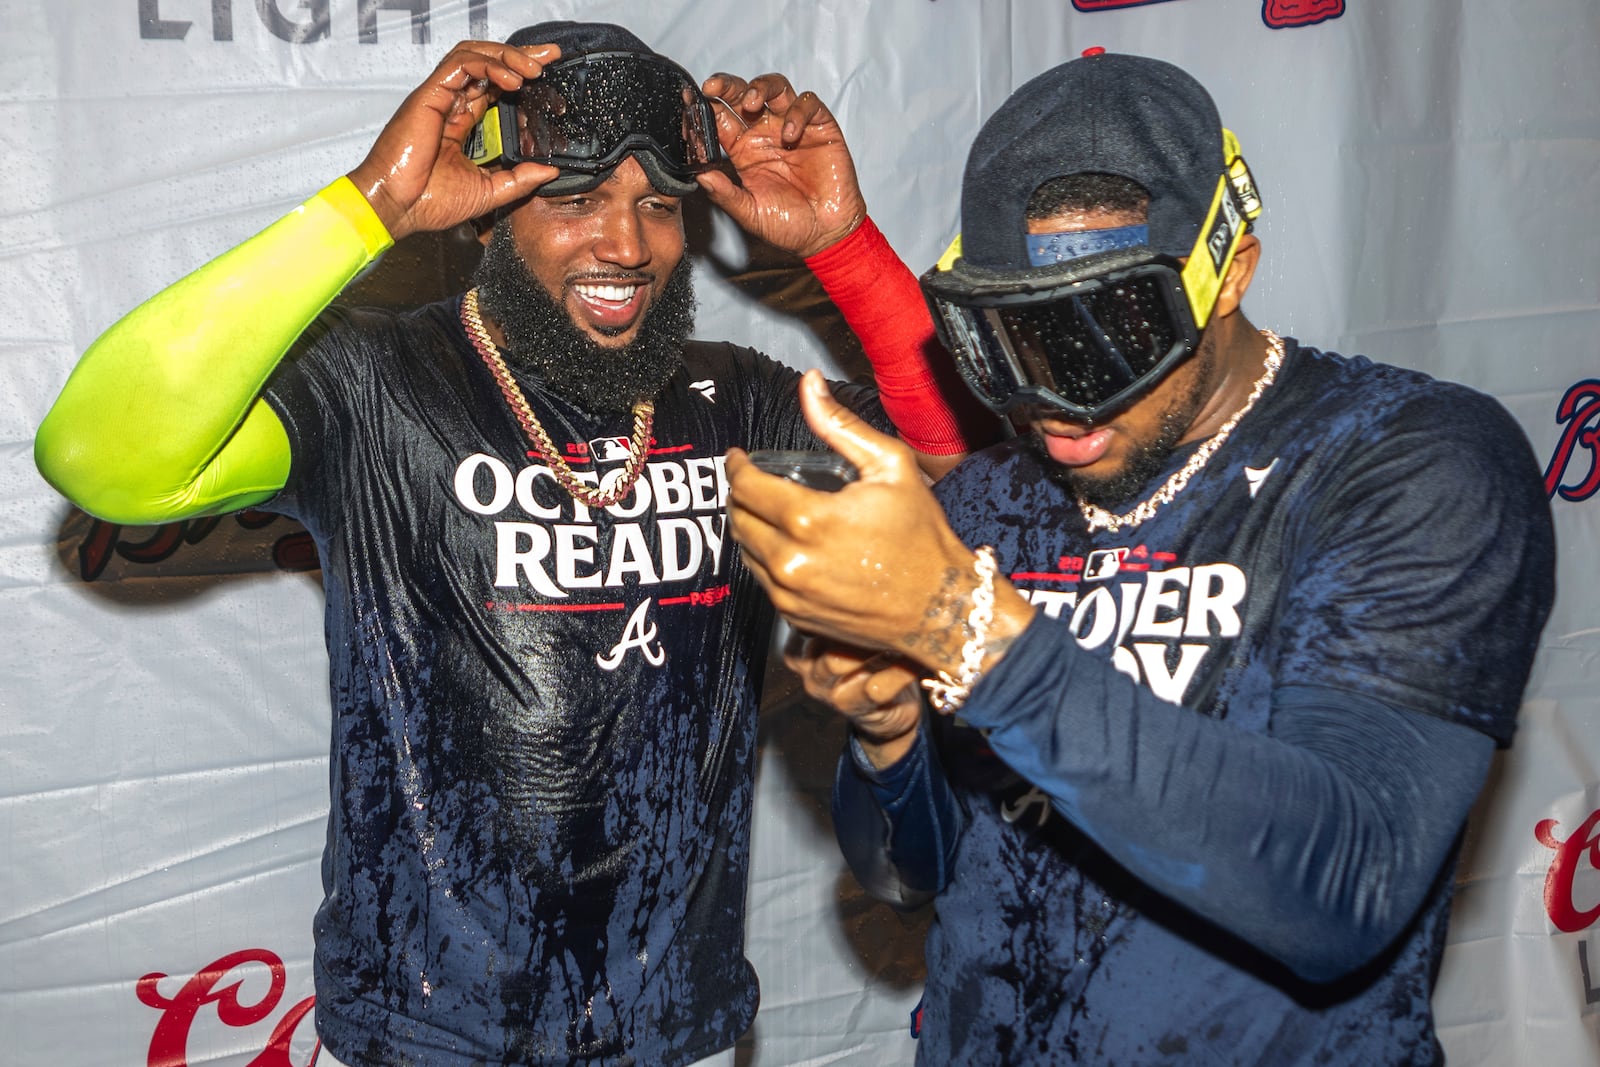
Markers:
(1088, 335)
(1085, 336)
(587, 114)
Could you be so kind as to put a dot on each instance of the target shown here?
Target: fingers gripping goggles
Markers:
(588, 113)
(1090, 334)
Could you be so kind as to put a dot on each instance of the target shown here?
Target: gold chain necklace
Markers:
(1100, 519)
(638, 448)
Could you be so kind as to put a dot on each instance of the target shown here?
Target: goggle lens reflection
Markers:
(1086, 347)
(591, 110)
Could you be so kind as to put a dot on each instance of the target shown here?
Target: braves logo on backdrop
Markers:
(1578, 415)
(1285, 14)
(1279, 14)
(212, 997)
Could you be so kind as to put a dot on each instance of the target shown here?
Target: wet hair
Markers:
(1088, 191)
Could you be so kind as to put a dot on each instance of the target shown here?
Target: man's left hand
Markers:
(799, 190)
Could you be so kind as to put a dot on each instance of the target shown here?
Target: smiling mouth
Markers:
(617, 295)
(611, 307)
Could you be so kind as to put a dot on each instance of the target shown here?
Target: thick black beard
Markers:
(542, 339)
(1117, 488)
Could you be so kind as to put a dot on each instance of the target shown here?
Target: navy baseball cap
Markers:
(578, 38)
(1132, 116)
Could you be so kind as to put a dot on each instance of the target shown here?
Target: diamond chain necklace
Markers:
(1100, 519)
(638, 448)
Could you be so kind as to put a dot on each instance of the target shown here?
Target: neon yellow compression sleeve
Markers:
(162, 417)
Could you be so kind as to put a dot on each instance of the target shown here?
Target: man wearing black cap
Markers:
(545, 657)
(1217, 650)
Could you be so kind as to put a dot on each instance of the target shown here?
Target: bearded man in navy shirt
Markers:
(1216, 651)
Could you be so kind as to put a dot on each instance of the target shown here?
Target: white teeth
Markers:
(619, 294)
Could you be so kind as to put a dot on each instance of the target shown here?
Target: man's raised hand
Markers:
(416, 176)
(798, 188)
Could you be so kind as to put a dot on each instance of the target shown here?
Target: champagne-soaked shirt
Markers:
(1171, 795)
(544, 713)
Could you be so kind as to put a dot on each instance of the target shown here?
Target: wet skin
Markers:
(603, 255)
(1196, 396)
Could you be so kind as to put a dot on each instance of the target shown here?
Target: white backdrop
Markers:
(1431, 173)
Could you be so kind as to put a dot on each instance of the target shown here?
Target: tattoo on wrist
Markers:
(944, 617)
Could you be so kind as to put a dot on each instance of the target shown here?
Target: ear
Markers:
(1240, 271)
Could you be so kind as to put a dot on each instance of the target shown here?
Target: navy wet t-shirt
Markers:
(544, 713)
(1369, 546)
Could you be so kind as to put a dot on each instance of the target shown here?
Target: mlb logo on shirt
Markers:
(609, 449)
(1103, 563)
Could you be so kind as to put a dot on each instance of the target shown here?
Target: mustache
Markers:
(612, 277)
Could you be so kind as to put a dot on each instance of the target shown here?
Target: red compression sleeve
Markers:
(882, 303)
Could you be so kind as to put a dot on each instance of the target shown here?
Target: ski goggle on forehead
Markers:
(588, 113)
(1090, 334)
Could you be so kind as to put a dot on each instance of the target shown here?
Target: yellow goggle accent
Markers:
(483, 145)
(1233, 206)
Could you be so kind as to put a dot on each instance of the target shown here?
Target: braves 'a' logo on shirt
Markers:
(639, 634)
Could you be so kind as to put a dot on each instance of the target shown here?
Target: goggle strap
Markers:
(484, 144)
(951, 254)
(1240, 178)
(1226, 224)
(1202, 272)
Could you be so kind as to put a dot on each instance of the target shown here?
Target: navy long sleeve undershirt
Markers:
(1316, 842)
(897, 826)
